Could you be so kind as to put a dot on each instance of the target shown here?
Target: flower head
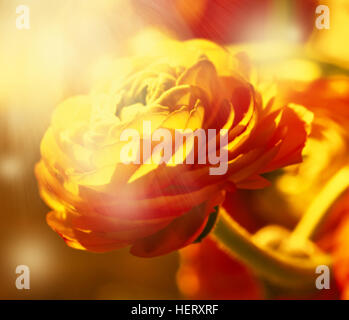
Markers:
(101, 202)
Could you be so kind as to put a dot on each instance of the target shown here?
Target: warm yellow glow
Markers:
(322, 157)
(321, 204)
(331, 44)
(188, 281)
(298, 69)
(33, 252)
(11, 167)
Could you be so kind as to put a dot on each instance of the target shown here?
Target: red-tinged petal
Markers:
(243, 160)
(84, 239)
(240, 93)
(294, 128)
(255, 167)
(130, 228)
(124, 206)
(181, 232)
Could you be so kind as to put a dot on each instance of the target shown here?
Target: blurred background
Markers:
(60, 55)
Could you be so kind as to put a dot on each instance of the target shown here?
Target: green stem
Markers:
(278, 268)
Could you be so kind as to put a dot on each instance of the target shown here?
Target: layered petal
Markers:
(143, 159)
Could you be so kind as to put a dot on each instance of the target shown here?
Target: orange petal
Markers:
(181, 232)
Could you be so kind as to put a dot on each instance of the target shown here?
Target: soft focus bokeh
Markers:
(55, 58)
(62, 53)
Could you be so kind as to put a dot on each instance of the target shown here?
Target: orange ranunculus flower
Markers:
(99, 203)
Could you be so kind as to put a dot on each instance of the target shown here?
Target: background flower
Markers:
(208, 272)
(284, 203)
(329, 98)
